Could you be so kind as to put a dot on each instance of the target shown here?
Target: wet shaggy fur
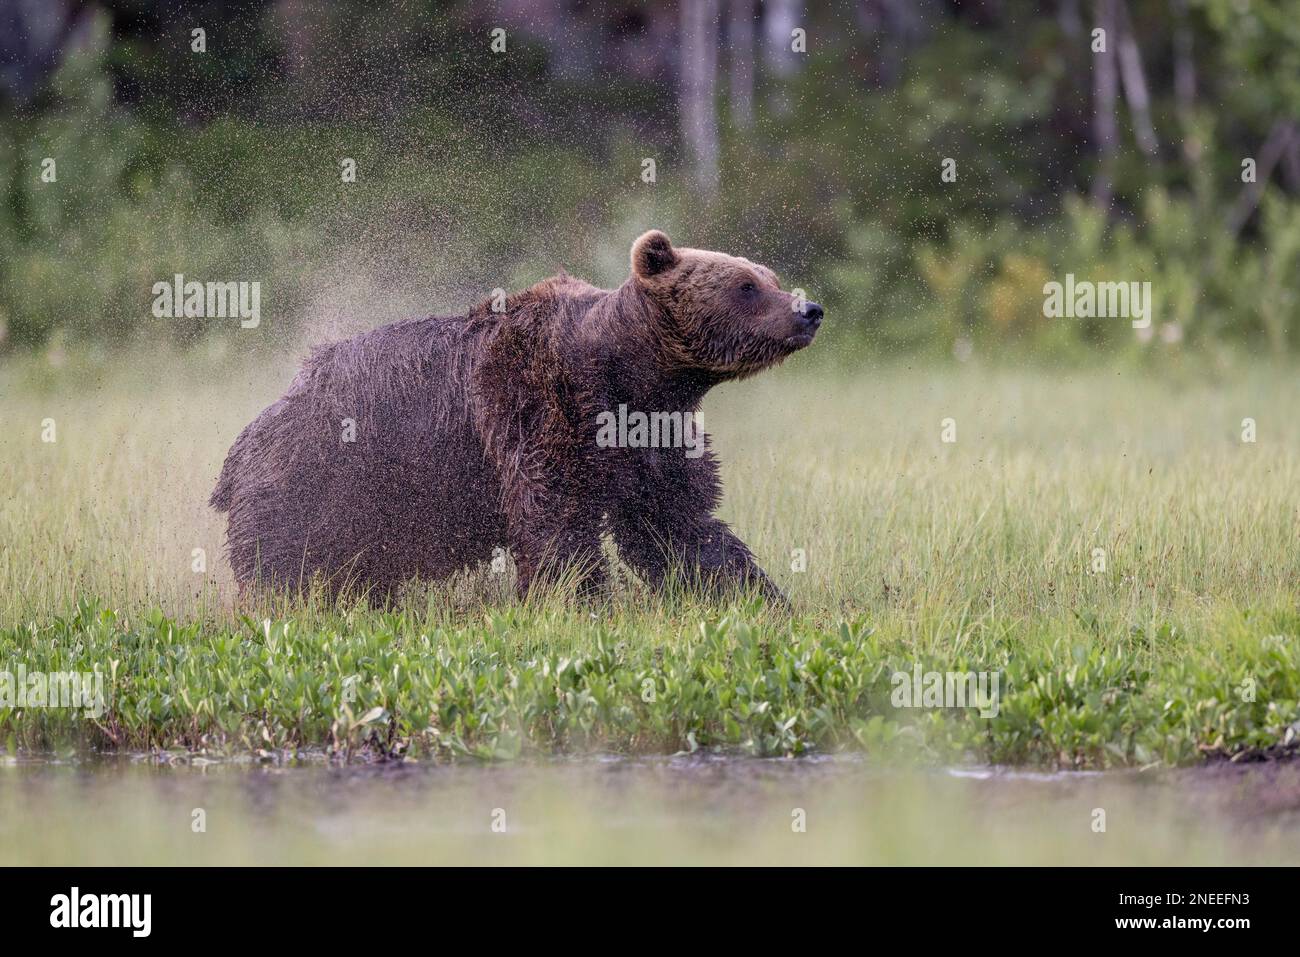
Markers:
(478, 431)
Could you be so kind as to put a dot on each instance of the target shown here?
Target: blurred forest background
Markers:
(478, 168)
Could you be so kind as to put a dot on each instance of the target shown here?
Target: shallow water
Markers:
(609, 809)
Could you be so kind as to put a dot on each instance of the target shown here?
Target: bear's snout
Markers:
(806, 322)
(812, 316)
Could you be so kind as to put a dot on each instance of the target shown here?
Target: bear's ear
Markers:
(652, 254)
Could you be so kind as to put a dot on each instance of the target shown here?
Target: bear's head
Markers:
(724, 313)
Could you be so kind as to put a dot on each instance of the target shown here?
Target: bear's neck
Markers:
(645, 362)
(637, 386)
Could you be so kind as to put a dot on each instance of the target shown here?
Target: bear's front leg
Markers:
(558, 543)
(664, 525)
(705, 552)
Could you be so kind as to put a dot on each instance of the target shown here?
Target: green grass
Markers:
(976, 555)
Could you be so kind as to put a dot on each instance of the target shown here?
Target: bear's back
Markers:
(367, 466)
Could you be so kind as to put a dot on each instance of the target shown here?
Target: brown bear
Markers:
(416, 449)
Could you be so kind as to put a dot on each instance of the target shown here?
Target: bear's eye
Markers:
(748, 288)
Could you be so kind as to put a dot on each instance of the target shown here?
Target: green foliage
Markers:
(1260, 40)
(483, 174)
(380, 684)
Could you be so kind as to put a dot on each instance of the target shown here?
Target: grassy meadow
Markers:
(1098, 524)
(1176, 641)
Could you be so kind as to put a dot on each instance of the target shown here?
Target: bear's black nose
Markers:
(812, 315)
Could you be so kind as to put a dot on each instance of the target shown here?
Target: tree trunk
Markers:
(1068, 16)
(1185, 83)
(1292, 159)
(740, 36)
(780, 17)
(1105, 100)
(698, 103)
(1274, 149)
(1135, 83)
